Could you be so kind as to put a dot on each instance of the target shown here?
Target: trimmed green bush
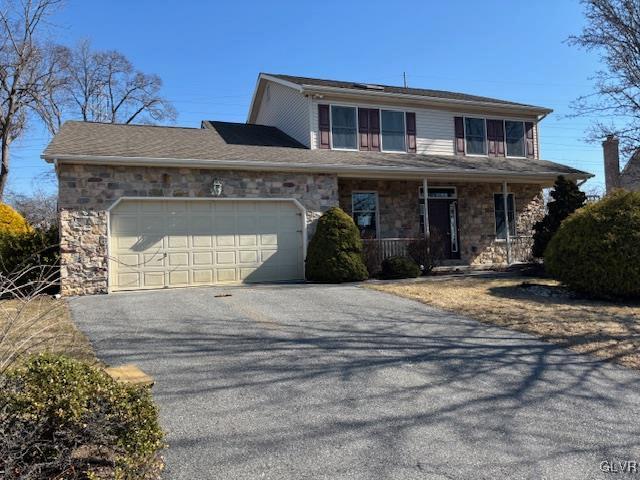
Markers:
(399, 267)
(36, 253)
(334, 254)
(11, 221)
(596, 250)
(567, 198)
(62, 418)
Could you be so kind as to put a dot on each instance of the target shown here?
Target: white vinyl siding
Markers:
(287, 109)
(435, 133)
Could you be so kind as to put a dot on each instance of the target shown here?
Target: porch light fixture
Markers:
(216, 187)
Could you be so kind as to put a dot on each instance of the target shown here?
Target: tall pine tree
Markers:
(567, 198)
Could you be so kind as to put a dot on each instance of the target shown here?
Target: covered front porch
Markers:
(470, 223)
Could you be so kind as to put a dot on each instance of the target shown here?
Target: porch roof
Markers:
(214, 147)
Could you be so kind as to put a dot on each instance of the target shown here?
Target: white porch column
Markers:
(425, 191)
(505, 198)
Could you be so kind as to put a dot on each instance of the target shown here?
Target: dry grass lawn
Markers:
(538, 306)
(42, 324)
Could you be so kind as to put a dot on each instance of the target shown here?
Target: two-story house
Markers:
(157, 207)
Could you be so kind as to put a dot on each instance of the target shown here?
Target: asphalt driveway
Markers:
(333, 382)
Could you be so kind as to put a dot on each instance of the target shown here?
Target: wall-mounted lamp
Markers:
(216, 187)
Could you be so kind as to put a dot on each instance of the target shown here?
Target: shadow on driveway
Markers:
(300, 381)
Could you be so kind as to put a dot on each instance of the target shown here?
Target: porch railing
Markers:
(376, 250)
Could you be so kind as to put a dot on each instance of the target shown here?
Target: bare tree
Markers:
(613, 30)
(105, 87)
(28, 69)
(38, 207)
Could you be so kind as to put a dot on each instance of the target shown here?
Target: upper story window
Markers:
(494, 137)
(514, 133)
(344, 128)
(393, 131)
(475, 136)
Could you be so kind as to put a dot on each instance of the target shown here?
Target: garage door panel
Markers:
(179, 259)
(226, 275)
(203, 277)
(178, 278)
(248, 256)
(172, 243)
(154, 259)
(270, 239)
(225, 240)
(202, 241)
(127, 224)
(153, 279)
(224, 225)
(177, 225)
(178, 241)
(226, 258)
(202, 258)
(128, 280)
(247, 240)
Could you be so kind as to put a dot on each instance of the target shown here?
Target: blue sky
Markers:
(210, 53)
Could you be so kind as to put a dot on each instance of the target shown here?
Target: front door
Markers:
(443, 227)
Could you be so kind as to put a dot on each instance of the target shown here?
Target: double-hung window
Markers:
(475, 135)
(365, 212)
(501, 231)
(393, 131)
(514, 133)
(344, 127)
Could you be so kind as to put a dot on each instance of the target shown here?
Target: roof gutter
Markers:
(311, 89)
(347, 170)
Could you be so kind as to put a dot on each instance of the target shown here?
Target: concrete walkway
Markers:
(337, 382)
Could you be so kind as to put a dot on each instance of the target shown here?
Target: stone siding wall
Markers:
(87, 191)
(400, 215)
(399, 208)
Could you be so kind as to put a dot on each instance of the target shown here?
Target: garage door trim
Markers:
(298, 205)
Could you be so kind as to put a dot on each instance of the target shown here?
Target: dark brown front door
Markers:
(443, 227)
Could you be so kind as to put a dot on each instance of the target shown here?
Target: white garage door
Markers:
(178, 243)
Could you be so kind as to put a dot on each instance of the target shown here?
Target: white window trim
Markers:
(331, 105)
(353, 216)
(524, 138)
(404, 126)
(515, 218)
(486, 142)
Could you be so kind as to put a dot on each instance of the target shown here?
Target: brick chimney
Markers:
(611, 163)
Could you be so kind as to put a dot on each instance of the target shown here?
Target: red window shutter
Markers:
(411, 132)
(500, 142)
(459, 133)
(495, 137)
(374, 129)
(324, 126)
(491, 138)
(363, 128)
(528, 128)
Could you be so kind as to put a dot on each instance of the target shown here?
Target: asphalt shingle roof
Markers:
(225, 142)
(395, 89)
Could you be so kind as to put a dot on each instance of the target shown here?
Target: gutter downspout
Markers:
(505, 197)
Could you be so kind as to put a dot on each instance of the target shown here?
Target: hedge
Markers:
(334, 254)
(596, 250)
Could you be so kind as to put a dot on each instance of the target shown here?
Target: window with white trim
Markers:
(393, 131)
(475, 136)
(365, 211)
(498, 202)
(344, 127)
